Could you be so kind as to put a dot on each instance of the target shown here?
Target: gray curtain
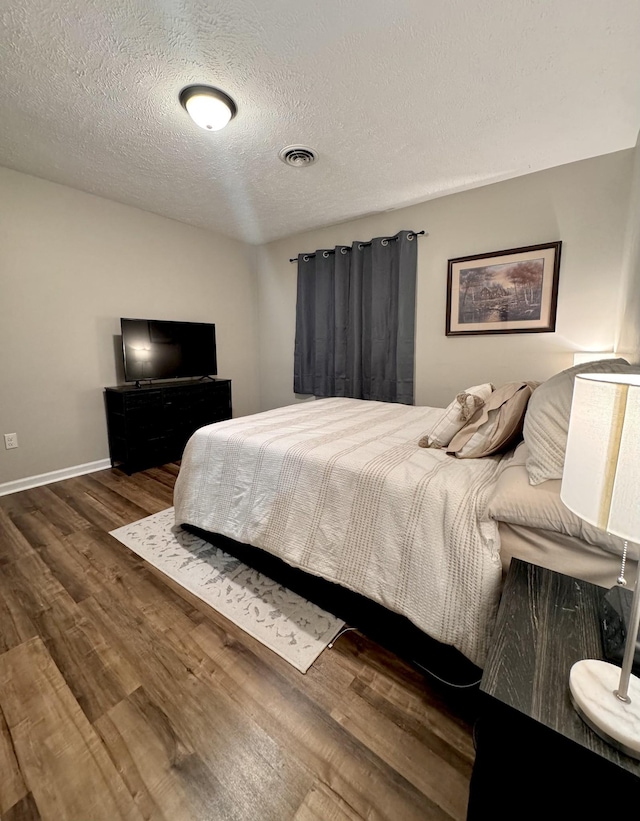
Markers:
(355, 320)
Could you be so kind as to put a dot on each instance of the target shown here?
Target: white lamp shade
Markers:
(601, 478)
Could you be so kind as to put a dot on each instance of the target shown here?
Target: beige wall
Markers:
(629, 335)
(70, 265)
(584, 204)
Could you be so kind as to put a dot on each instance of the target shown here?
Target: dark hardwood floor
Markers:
(120, 699)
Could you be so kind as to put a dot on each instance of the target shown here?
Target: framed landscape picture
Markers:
(506, 292)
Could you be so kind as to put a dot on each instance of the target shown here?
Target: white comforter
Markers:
(340, 488)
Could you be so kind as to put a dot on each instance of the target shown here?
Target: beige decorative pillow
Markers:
(463, 408)
(546, 423)
(498, 426)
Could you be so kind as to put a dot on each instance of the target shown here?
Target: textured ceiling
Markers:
(404, 100)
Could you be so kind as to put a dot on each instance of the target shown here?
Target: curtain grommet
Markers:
(360, 246)
(411, 237)
(384, 242)
(343, 250)
(325, 254)
(305, 258)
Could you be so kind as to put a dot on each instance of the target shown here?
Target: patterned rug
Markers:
(291, 626)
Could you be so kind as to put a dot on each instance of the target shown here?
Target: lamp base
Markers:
(592, 684)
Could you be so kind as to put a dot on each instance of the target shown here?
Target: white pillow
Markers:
(546, 423)
(463, 408)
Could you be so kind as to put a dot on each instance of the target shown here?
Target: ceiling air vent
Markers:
(298, 156)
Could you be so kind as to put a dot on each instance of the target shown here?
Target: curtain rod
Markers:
(360, 245)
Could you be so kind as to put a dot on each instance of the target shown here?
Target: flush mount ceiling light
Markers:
(208, 107)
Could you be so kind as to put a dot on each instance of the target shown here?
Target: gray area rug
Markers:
(291, 626)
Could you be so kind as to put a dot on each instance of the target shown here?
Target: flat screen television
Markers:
(157, 349)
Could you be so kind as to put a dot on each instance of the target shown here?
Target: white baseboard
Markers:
(54, 476)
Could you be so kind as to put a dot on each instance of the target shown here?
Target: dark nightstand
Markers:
(535, 757)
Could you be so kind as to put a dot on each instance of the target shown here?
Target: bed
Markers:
(340, 489)
(535, 526)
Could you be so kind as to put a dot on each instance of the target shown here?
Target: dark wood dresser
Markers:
(150, 425)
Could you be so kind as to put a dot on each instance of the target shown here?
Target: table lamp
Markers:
(601, 484)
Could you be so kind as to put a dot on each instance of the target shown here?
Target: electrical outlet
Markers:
(10, 440)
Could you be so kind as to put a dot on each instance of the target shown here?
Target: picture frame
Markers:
(504, 292)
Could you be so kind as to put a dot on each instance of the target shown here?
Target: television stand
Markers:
(149, 425)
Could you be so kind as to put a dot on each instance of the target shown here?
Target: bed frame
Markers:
(391, 630)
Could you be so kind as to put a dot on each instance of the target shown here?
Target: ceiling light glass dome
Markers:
(208, 107)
